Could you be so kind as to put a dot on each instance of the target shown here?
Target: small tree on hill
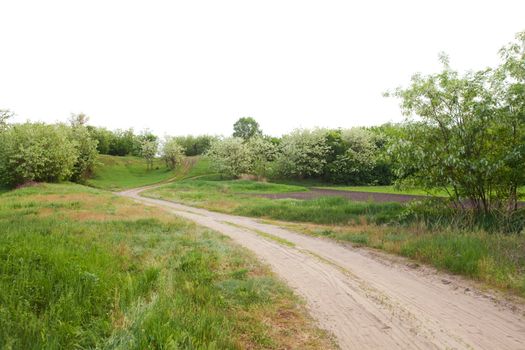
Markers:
(172, 152)
(246, 128)
(149, 151)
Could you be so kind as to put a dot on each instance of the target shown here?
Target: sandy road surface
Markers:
(368, 301)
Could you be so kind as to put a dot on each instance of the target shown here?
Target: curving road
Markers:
(368, 300)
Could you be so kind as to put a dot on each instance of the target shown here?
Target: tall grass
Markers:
(137, 283)
(487, 248)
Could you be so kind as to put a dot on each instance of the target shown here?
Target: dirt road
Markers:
(366, 300)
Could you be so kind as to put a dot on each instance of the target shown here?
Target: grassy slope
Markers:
(496, 259)
(82, 268)
(118, 173)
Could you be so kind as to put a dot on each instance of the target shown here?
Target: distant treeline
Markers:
(127, 142)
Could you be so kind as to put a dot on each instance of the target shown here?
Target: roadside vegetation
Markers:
(119, 173)
(82, 268)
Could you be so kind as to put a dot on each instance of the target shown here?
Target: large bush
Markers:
(195, 145)
(86, 149)
(36, 152)
(355, 158)
(172, 152)
(302, 153)
(230, 156)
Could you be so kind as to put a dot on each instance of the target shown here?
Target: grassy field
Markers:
(237, 197)
(494, 258)
(82, 268)
(393, 190)
(384, 189)
(118, 173)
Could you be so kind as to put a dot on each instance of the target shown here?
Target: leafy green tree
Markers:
(246, 128)
(261, 152)
(356, 159)
(86, 147)
(465, 133)
(36, 152)
(230, 157)
(302, 153)
(104, 138)
(148, 151)
(195, 145)
(172, 152)
(123, 143)
(5, 115)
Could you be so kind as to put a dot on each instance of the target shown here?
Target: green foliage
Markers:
(468, 135)
(148, 150)
(303, 153)
(262, 152)
(103, 136)
(5, 115)
(195, 145)
(123, 143)
(230, 156)
(36, 152)
(356, 158)
(172, 152)
(86, 147)
(246, 128)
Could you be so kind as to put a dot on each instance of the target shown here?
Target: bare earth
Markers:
(370, 300)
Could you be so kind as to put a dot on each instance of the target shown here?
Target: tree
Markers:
(149, 151)
(86, 147)
(79, 119)
(36, 152)
(230, 156)
(465, 133)
(302, 153)
(123, 143)
(172, 152)
(195, 145)
(246, 128)
(356, 157)
(5, 115)
(104, 138)
(261, 153)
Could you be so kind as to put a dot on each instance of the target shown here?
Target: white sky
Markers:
(180, 67)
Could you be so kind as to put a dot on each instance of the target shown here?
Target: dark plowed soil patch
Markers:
(356, 196)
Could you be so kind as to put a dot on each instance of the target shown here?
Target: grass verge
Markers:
(494, 258)
(81, 268)
(237, 197)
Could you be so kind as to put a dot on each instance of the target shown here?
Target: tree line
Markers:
(464, 134)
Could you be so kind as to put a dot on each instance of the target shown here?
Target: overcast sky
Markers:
(180, 67)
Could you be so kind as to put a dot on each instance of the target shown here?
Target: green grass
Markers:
(384, 189)
(393, 190)
(495, 259)
(82, 268)
(237, 197)
(119, 173)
